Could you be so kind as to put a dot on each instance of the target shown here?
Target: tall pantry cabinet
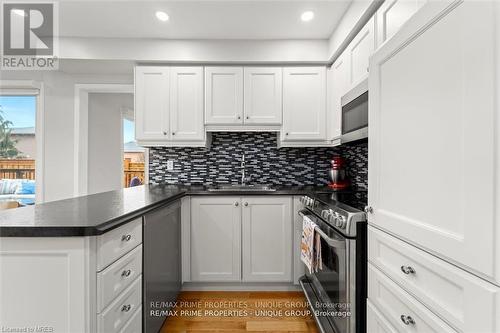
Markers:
(434, 170)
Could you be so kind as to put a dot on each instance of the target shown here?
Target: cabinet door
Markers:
(263, 91)
(432, 134)
(359, 52)
(392, 14)
(151, 103)
(340, 85)
(267, 238)
(215, 239)
(304, 104)
(223, 95)
(186, 103)
(375, 321)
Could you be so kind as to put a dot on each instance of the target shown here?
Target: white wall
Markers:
(195, 51)
(105, 141)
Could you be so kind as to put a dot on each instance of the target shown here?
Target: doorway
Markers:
(134, 156)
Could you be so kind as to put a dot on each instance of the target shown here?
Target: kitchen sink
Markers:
(235, 188)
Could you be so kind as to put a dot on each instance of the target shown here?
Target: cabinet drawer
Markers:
(134, 325)
(455, 295)
(114, 317)
(375, 321)
(118, 276)
(399, 306)
(112, 245)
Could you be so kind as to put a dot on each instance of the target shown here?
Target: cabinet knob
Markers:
(407, 320)
(236, 204)
(248, 117)
(126, 273)
(173, 133)
(286, 133)
(126, 238)
(239, 117)
(407, 270)
(369, 210)
(165, 133)
(246, 204)
(126, 308)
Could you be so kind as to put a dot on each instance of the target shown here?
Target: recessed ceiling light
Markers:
(162, 16)
(307, 16)
(19, 12)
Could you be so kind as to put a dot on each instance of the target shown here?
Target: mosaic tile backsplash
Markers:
(265, 163)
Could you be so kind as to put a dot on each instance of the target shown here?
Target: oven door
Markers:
(331, 283)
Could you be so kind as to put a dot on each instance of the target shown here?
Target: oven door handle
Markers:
(330, 241)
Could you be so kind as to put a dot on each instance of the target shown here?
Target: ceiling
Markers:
(229, 19)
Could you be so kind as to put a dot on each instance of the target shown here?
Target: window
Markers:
(17, 150)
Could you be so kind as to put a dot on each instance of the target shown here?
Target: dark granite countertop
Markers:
(98, 213)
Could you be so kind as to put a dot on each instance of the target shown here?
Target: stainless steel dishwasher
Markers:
(162, 264)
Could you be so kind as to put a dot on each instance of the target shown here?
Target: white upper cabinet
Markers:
(169, 106)
(359, 51)
(392, 14)
(434, 134)
(263, 95)
(340, 85)
(186, 103)
(267, 238)
(151, 103)
(304, 104)
(223, 95)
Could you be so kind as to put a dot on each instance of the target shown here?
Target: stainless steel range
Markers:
(337, 292)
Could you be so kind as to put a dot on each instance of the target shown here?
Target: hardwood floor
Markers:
(217, 311)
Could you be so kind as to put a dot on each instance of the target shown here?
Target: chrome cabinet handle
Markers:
(126, 273)
(369, 210)
(126, 308)
(236, 204)
(407, 270)
(407, 320)
(246, 204)
(126, 238)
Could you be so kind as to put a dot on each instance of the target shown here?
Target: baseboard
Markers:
(239, 286)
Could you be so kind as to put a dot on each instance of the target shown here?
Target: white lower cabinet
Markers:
(457, 296)
(241, 239)
(215, 238)
(73, 284)
(118, 276)
(267, 239)
(401, 309)
(298, 266)
(134, 325)
(375, 321)
(120, 311)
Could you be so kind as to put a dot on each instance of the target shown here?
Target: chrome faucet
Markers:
(244, 179)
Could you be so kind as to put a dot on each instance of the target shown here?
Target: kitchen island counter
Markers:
(95, 214)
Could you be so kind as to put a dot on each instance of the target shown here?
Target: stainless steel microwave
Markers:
(355, 113)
